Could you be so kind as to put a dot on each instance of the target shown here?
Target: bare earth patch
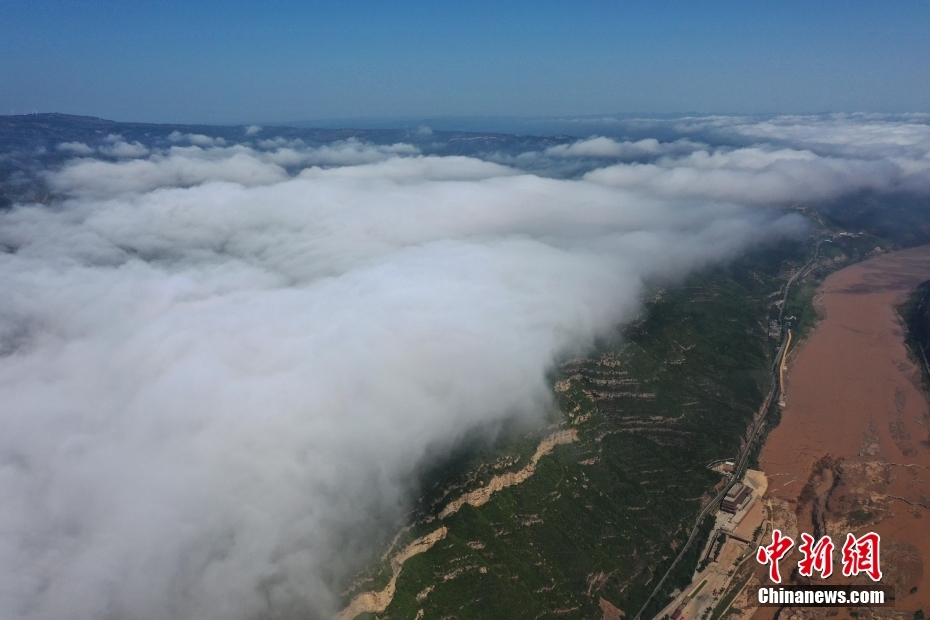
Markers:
(377, 602)
(480, 497)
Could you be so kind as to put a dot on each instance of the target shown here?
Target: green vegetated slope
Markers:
(602, 517)
(898, 219)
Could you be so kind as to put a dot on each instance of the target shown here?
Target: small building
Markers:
(735, 498)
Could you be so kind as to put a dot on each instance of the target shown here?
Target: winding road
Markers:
(740, 465)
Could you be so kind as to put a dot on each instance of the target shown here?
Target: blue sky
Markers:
(231, 62)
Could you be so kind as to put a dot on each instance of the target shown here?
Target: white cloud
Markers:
(855, 136)
(603, 147)
(196, 139)
(178, 167)
(217, 373)
(125, 150)
(193, 165)
(278, 142)
(251, 130)
(765, 175)
(76, 148)
(859, 136)
(295, 153)
(791, 158)
(434, 168)
(350, 152)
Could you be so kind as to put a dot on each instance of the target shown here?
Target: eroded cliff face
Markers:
(377, 601)
(479, 497)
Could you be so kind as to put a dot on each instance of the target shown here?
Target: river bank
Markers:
(851, 452)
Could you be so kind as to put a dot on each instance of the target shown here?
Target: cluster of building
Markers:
(736, 498)
(728, 546)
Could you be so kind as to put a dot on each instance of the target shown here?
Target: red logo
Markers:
(816, 557)
(860, 555)
(773, 553)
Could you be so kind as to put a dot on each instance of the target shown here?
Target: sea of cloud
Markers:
(220, 364)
